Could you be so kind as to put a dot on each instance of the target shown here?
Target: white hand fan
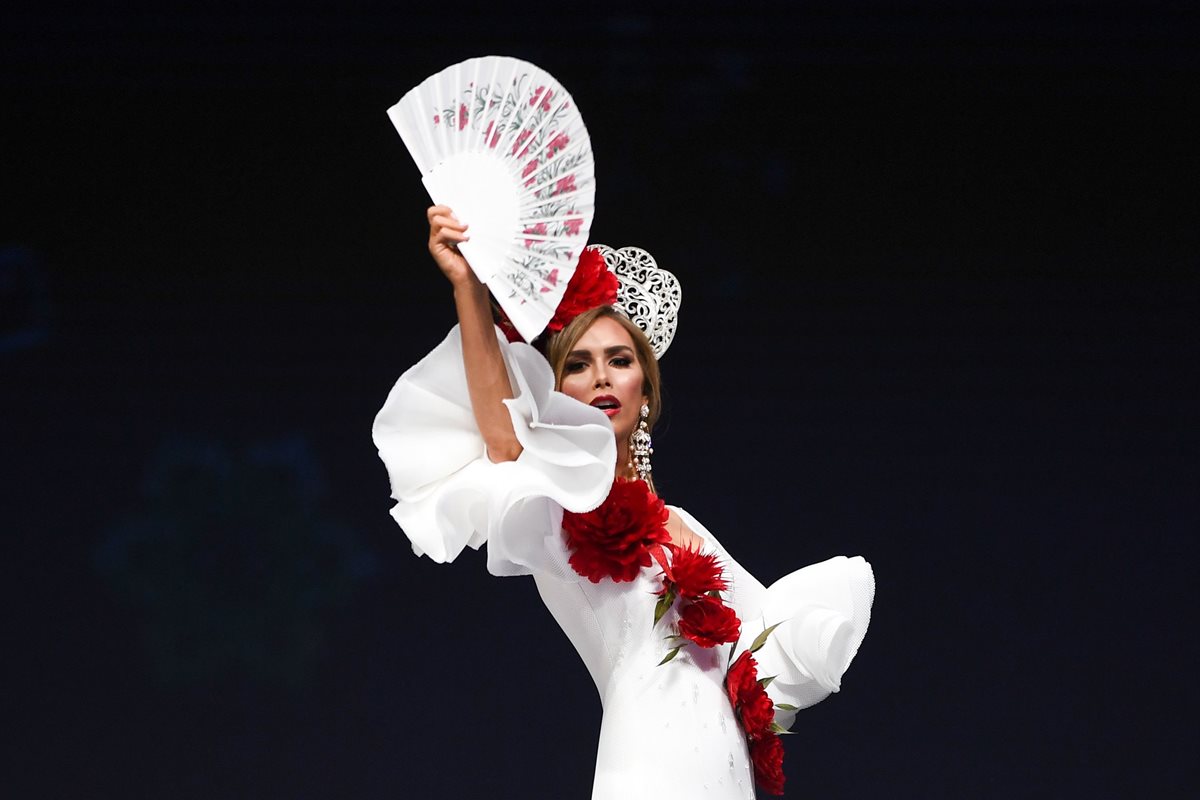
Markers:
(502, 143)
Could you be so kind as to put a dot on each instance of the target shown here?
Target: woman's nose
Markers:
(601, 378)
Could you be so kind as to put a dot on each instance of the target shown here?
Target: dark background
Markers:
(939, 268)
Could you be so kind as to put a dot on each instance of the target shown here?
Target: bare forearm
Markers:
(487, 378)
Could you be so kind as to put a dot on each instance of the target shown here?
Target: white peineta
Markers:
(647, 294)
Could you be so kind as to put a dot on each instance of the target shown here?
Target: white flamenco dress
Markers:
(668, 731)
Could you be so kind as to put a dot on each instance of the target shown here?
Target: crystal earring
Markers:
(640, 446)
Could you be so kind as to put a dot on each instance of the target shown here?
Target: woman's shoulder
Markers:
(684, 528)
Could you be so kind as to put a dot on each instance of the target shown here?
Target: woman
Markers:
(485, 441)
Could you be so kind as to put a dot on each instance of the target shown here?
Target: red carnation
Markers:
(707, 622)
(591, 285)
(767, 756)
(742, 672)
(694, 573)
(614, 540)
(754, 708)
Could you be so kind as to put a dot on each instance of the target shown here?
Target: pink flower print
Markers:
(530, 167)
(488, 132)
(552, 278)
(437, 119)
(559, 142)
(564, 185)
(536, 230)
(521, 138)
(572, 226)
(540, 100)
(462, 116)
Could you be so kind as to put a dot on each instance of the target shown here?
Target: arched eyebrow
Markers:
(608, 351)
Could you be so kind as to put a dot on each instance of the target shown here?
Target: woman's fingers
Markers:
(443, 217)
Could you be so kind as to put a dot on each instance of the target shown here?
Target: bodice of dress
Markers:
(669, 730)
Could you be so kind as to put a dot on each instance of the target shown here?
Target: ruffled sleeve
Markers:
(449, 495)
(822, 613)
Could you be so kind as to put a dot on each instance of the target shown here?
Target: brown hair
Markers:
(562, 343)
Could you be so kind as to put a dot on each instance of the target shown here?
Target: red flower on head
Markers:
(708, 622)
(694, 573)
(767, 756)
(591, 285)
(614, 540)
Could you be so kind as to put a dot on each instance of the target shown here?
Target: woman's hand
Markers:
(445, 234)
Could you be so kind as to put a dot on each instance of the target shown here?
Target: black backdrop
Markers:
(939, 279)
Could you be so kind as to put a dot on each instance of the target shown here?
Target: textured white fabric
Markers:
(450, 496)
(668, 731)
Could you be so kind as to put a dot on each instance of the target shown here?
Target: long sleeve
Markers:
(449, 495)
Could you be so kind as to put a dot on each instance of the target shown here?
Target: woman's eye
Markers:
(623, 361)
(574, 366)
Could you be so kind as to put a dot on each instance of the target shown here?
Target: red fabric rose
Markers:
(707, 622)
(767, 756)
(694, 573)
(614, 540)
(591, 285)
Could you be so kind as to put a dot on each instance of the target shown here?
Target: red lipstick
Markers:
(608, 404)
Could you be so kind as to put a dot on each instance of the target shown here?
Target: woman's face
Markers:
(603, 371)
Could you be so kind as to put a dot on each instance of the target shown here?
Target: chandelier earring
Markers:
(640, 447)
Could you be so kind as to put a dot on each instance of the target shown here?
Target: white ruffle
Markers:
(450, 496)
(822, 612)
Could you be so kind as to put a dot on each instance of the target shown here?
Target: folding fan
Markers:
(502, 143)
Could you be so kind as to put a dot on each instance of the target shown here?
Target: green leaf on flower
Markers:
(765, 682)
(761, 639)
(670, 655)
(786, 707)
(779, 729)
(663, 605)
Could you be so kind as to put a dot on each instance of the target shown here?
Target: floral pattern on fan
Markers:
(502, 143)
(538, 134)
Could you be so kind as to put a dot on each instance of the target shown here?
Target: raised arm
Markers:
(487, 377)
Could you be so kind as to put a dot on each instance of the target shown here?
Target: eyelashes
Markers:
(576, 366)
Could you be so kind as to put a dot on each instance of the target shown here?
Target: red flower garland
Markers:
(767, 756)
(614, 540)
(694, 573)
(756, 713)
(626, 533)
(707, 621)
